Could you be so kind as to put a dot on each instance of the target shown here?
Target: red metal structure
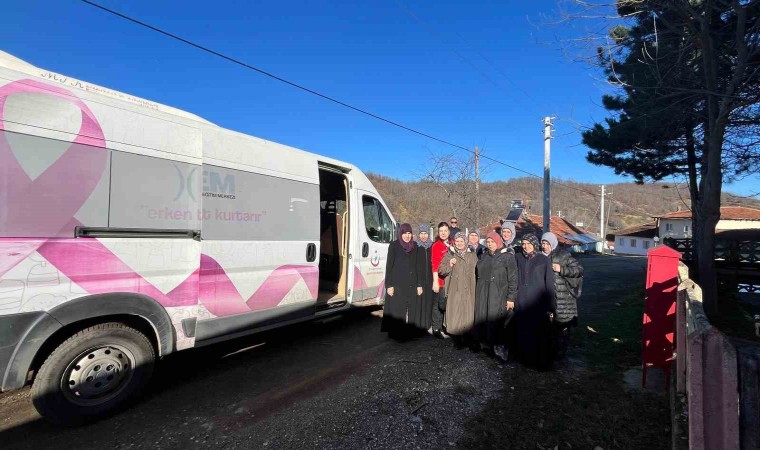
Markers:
(659, 311)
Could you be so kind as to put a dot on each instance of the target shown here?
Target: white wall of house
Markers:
(632, 245)
(738, 224)
(675, 228)
(682, 228)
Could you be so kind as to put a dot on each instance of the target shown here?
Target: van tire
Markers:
(92, 374)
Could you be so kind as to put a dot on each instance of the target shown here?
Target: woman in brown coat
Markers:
(458, 266)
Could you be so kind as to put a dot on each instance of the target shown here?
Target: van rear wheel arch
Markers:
(134, 310)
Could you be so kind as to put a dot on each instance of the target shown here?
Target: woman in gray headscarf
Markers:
(423, 315)
(508, 235)
(473, 241)
(458, 266)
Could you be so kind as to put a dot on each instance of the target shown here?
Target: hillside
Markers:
(632, 204)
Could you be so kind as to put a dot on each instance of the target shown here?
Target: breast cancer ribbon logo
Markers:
(46, 205)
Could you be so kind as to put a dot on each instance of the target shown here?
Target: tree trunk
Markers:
(711, 174)
(708, 215)
(696, 223)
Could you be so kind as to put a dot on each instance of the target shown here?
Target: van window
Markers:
(246, 206)
(387, 227)
(154, 193)
(52, 183)
(377, 222)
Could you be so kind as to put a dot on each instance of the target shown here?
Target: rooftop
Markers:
(647, 230)
(726, 213)
(567, 233)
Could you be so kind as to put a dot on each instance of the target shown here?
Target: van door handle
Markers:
(311, 252)
(365, 250)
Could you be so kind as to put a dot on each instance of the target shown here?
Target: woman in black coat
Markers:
(496, 293)
(536, 306)
(422, 311)
(402, 285)
(568, 280)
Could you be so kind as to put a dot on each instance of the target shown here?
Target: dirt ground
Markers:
(340, 383)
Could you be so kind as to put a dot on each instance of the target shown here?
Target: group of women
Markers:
(483, 296)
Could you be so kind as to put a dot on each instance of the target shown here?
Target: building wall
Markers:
(632, 245)
(675, 228)
(738, 224)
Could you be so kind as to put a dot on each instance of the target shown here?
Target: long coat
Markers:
(401, 273)
(497, 284)
(460, 291)
(535, 300)
(423, 314)
(567, 284)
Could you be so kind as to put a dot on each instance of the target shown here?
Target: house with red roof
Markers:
(678, 224)
(574, 238)
(636, 240)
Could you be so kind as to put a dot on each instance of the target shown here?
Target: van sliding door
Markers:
(260, 242)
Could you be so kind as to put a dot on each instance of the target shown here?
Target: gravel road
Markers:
(336, 383)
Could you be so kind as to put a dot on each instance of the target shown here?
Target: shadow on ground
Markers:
(585, 402)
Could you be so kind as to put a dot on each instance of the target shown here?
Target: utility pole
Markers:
(477, 188)
(547, 176)
(601, 216)
(609, 210)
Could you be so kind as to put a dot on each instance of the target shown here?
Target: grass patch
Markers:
(614, 345)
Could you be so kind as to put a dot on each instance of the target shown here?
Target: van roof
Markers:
(126, 102)
(11, 62)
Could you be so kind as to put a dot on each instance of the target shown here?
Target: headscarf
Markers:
(511, 227)
(463, 236)
(475, 246)
(551, 238)
(405, 228)
(496, 238)
(429, 242)
(530, 237)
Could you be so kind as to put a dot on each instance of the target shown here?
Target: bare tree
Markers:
(457, 175)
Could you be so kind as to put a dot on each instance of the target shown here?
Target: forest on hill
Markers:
(628, 204)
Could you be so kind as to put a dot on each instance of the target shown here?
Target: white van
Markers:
(130, 230)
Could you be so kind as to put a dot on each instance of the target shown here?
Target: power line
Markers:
(313, 92)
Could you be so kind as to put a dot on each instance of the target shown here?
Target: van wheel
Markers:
(93, 373)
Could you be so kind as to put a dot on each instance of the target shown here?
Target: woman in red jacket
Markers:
(439, 249)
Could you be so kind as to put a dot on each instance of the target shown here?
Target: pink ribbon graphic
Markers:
(221, 298)
(360, 283)
(43, 209)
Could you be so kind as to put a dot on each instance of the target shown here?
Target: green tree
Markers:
(688, 73)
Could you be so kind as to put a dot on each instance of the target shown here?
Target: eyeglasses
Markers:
(453, 222)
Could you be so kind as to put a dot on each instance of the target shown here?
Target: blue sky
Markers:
(372, 54)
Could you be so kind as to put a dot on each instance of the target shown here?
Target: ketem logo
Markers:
(375, 261)
(218, 185)
(185, 183)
